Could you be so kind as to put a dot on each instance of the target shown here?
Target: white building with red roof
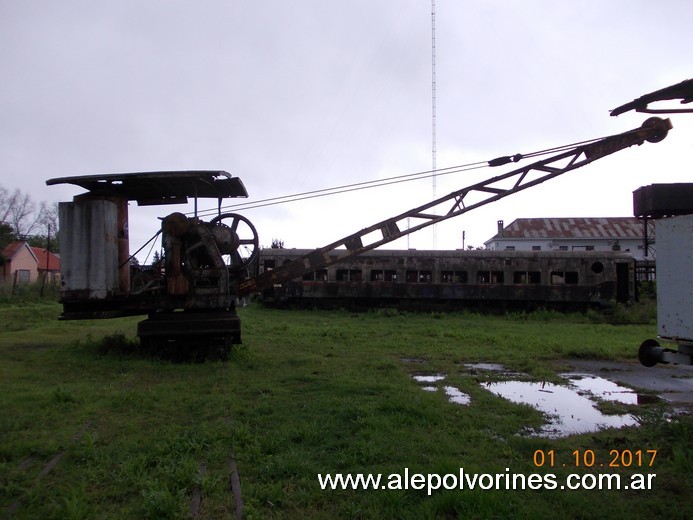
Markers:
(625, 234)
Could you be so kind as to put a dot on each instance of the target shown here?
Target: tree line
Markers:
(21, 218)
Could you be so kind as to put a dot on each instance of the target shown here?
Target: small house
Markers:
(22, 263)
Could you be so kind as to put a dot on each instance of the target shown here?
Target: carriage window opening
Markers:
(562, 248)
(269, 265)
(316, 276)
(526, 277)
(419, 276)
(564, 278)
(454, 276)
(383, 275)
(510, 248)
(490, 277)
(597, 267)
(536, 248)
(348, 275)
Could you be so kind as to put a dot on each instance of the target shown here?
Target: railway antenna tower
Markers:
(433, 107)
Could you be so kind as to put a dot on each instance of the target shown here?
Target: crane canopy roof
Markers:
(152, 188)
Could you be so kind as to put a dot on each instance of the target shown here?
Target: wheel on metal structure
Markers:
(650, 353)
(659, 136)
(246, 243)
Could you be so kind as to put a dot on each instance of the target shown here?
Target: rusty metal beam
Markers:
(166, 187)
(682, 91)
(488, 191)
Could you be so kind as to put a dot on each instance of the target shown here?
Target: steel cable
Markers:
(391, 180)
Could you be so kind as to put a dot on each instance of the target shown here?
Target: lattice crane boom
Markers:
(459, 202)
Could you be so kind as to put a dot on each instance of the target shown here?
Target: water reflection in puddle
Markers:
(430, 378)
(604, 389)
(455, 396)
(568, 411)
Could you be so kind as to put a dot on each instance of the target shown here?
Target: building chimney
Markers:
(500, 228)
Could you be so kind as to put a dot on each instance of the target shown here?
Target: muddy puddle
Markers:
(569, 409)
(486, 367)
(606, 390)
(428, 378)
(453, 394)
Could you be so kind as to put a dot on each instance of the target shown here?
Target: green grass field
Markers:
(85, 434)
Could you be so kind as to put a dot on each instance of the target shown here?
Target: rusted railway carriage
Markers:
(492, 279)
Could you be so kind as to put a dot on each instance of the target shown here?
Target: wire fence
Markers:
(16, 291)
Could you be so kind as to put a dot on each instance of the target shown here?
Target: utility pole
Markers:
(48, 260)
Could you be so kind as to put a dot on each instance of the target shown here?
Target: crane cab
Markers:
(197, 277)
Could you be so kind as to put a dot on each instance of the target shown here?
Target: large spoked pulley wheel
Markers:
(243, 242)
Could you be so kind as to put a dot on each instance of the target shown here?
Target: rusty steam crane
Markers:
(189, 296)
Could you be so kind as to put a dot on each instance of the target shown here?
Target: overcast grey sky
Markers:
(300, 95)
